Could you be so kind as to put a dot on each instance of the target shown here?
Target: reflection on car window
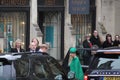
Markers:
(56, 70)
(40, 69)
(108, 63)
(1, 68)
(22, 67)
(7, 69)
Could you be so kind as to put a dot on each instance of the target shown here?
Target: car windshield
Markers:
(106, 62)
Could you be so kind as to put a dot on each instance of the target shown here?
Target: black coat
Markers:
(116, 43)
(86, 44)
(106, 44)
(66, 61)
(86, 53)
(95, 41)
(36, 50)
(15, 50)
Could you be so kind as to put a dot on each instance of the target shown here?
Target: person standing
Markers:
(95, 39)
(18, 47)
(35, 40)
(87, 43)
(75, 65)
(32, 47)
(116, 42)
(108, 42)
(44, 49)
(87, 53)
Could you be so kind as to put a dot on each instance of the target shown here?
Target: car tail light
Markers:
(85, 77)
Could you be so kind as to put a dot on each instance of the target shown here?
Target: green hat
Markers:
(73, 50)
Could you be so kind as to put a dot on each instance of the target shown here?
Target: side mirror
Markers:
(58, 77)
(71, 75)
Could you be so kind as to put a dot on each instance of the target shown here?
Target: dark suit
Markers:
(95, 41)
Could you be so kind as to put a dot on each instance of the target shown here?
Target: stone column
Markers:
(99, 18)
(69, 38)
(35, 31)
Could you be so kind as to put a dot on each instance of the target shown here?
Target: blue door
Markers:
(49, 37)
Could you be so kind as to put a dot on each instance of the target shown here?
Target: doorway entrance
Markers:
(51, 28)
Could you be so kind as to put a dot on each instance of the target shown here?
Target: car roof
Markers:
(14, 56)
(109, 51)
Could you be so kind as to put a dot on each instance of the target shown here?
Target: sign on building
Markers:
(79, 6)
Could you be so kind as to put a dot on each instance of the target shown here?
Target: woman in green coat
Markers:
(75, 65)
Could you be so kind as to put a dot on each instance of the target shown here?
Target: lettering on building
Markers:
(79, 6)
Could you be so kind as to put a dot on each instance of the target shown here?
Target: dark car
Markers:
(105, 65)
(30, 66)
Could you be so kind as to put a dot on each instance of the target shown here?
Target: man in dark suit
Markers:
(32, 47)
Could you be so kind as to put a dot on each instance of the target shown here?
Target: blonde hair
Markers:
(17, 41)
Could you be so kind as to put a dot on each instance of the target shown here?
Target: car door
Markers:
(56, 68)
(40, 69)
(7, 70)
(22, 67)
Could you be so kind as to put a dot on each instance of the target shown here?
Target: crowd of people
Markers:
(33, 47)
(72, 62)
(95, 39)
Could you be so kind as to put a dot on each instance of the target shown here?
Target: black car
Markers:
(30, 66)
(105, 65)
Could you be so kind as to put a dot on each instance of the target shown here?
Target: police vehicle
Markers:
(105, 65)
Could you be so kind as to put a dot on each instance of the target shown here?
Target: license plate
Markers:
(111, 78)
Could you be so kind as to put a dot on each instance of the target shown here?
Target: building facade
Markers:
(54, 23)
(14, 22)
(78, 23)
(27, 19)
(107, 19)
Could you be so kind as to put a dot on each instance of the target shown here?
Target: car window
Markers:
(55, 67)
(7, 69)
(106, 63)
(22, 67)
(41, 69)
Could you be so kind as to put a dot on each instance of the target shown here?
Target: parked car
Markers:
(86, 55)
(30, 66)
(105, 65)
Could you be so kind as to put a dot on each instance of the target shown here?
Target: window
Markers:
(22, 67)
(7, 69)
(55, 67)
(41, 69)
(12, 25)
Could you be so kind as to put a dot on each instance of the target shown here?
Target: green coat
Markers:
(75, 66)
